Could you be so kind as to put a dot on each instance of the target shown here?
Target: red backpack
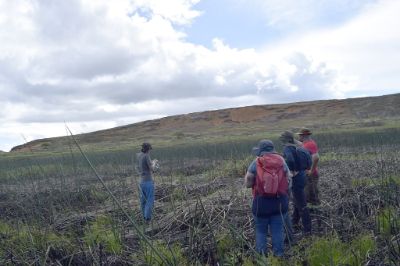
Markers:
(271, 178)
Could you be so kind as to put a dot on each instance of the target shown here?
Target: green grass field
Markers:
(54, 210)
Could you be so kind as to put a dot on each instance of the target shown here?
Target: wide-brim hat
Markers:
(264, 145)
(304, 131)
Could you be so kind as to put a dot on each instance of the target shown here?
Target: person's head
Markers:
(304, 134)
(264, 145)
(146, 147)
(287, 137)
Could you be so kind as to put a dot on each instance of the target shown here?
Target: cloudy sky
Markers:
(100, 64)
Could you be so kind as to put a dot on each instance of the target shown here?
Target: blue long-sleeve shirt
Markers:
(288, 154)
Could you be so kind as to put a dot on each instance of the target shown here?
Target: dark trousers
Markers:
(300, 205)
(312, 189)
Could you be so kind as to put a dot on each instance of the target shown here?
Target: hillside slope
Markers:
(237, 122)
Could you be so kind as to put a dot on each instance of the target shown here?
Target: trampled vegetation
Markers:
(54, 210)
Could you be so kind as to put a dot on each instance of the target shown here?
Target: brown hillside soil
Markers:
(249, 114)
(316, 114)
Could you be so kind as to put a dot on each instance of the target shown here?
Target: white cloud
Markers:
(363, 51)
(91, 62)
(177, 11)
(296, 15)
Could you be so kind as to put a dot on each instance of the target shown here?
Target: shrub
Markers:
(45, 145)
(388, 221)
(225, 243)
(5, 229)
(360, 247)
(232, 168)
(332, 251)
(179, 135)
(28, 243)
(327, 251)
(172, 254)
(102, 231)
(178, 194)
(389, 181)
(226, 247)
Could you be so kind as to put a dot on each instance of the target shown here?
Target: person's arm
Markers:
(312, 147)
(249, 179)
(315, 160)
(289, 160)
(149, 164)
(287, 171)
(250, 176)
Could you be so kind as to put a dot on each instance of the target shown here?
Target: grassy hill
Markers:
(238, 123)
(55, 210)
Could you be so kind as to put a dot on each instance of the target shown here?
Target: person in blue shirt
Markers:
(268, 212)
(299, 180)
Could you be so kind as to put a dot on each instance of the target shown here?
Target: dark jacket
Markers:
(289, 153)
(264, 206)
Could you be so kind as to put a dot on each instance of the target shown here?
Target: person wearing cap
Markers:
(312, 192)
(268, 212)
(299, 180)
(146, 187)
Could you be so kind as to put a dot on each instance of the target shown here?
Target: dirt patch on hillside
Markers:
(248, 114)
(329, 112)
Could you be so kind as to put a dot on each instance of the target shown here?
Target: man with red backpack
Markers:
(268, 177)
(299, 161)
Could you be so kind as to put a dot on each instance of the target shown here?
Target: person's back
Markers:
(144, 166)
(265, 205)
(299, 180)
(312, 147)
(268, 208)
(289, 153)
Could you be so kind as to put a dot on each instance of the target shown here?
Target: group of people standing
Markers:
(275, 179)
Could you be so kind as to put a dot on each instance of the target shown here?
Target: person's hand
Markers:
(308, 172)
(155, 164)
